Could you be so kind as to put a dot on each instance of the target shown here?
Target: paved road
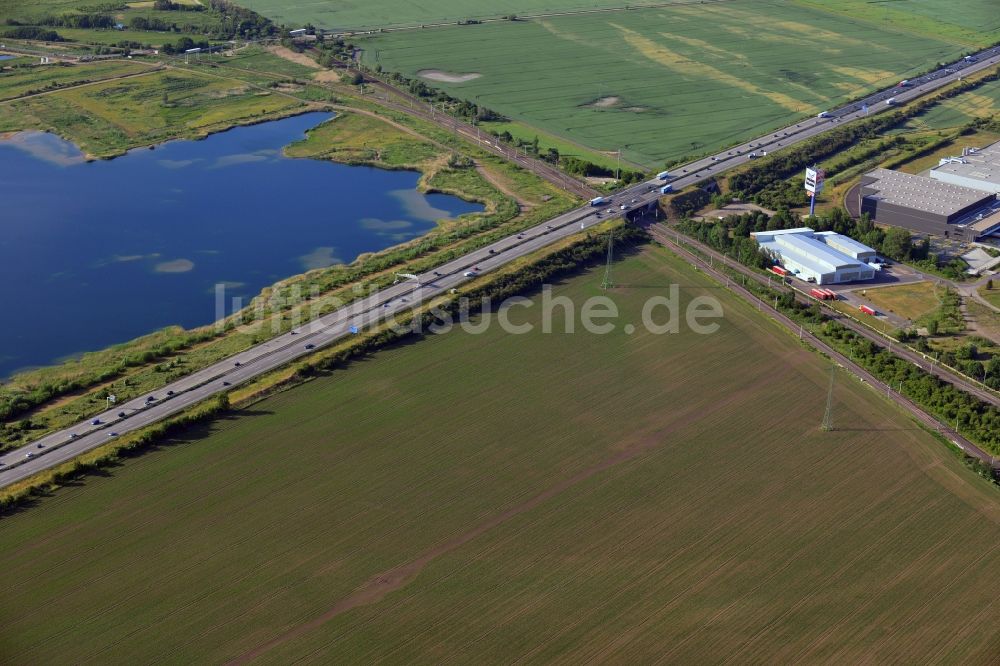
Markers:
(660, 234)
(65, 445)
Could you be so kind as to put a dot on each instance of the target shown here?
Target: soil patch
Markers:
(300, 58)
(605, 102)
(447, 77)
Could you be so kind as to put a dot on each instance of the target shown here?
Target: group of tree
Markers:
(582, 167)
(184, 44)
(33, 32)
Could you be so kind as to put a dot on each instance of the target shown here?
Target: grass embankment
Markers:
(992, 296)
(724, 72)
(642, 498)
(40, 401)
(545, 141)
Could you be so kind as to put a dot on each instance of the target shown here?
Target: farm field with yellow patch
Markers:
(661, 83)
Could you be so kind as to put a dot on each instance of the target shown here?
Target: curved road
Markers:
(62, 446)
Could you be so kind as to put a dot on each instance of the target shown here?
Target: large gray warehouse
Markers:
(929, 206)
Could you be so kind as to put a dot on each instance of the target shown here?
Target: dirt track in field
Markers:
(396, 578)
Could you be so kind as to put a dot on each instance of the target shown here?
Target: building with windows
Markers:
(819, 257)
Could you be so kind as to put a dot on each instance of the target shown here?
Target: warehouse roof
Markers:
(919, 193)
(800, 245)
(843, 243)
(978, 164)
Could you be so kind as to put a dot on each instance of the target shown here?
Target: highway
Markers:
(63, 446)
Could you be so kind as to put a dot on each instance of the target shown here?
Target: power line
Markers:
(608, 282)
(828, 416)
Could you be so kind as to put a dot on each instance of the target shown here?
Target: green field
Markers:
(570, 498)
(911, 301)
(960, 110)
(356, 14)
(667, 82)
(975, 23)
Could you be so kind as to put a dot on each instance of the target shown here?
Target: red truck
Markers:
(867, 310)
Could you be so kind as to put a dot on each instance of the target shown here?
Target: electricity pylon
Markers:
(608, 283)
(828, 416)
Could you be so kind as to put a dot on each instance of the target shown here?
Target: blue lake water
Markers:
(93, 254)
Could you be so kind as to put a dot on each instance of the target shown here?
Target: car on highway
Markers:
(41, 446)
(29, 454)
(150, 398)
(310, 346)
(96, 422)
(112, 434)
(170, 392)
(237, 364)
(226, 384)
(121, 415)
(73, 435)
(470, 273)
(437, 273)
(492, 251)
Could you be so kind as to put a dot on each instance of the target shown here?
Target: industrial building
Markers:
(928, 205)
(977, 168)
(819, 257)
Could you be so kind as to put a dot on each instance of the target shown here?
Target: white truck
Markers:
(598, 201)
(823, 114)
(666, 189)
(890, 101)
(663, 175)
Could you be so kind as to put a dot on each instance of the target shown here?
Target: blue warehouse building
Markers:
(819, 257)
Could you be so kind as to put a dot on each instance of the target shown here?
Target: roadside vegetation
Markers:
(213, 95)
(531, 508)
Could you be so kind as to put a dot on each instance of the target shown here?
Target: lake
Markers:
(93, 254)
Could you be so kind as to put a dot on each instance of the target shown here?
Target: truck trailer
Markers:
(598, 201)
(663, 175)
